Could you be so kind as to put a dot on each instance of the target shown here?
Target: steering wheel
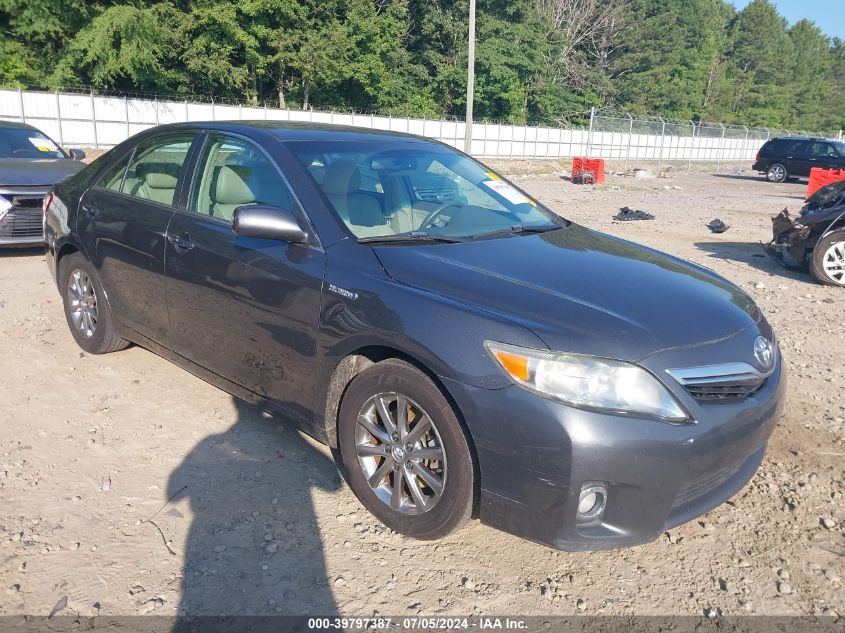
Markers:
(433, 215)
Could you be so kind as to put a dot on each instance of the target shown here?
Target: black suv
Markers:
(794, 156)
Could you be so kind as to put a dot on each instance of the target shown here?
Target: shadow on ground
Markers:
(254, 546)
(7, 252)
(754, 255)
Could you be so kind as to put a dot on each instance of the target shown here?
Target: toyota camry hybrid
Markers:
(467, 352)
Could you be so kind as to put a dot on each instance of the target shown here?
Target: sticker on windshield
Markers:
(43, 144)
(507, 192)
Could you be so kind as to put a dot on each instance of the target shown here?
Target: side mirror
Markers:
(271, 223)
(76, 154)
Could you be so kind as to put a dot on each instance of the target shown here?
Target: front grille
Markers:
(720, 383)
(697, 488)
(724, 391)
(24, 220)
(21, 223)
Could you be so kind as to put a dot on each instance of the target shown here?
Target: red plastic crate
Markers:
(594, 166)
(820, 177)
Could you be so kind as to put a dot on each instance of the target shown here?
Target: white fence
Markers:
(88, 120)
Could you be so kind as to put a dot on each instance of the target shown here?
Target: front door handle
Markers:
(182, 242)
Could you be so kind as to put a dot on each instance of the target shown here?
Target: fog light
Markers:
(591, 502)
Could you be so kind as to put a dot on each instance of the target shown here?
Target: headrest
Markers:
(231, 188)
(341, 178)
(159, 175)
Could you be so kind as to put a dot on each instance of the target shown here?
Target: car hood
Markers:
(581, 291)
(30, 172)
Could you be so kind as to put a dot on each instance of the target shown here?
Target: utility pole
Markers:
(470, 79)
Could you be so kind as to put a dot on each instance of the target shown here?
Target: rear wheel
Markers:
(776, 173)
(86, 310)
(405, 452)
(827, 263)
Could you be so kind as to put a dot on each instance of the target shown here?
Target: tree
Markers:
(124, 47)
(759, 68)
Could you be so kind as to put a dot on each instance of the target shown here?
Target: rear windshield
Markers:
(383, 189)
(24, 143)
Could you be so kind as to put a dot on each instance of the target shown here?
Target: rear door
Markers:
(245, 308)
(123, 222)
(797, 158)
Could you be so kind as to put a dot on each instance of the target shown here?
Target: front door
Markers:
(245, 308)
(122, 223)
(823, 155)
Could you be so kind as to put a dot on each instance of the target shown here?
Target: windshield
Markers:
(840, 147)
(419, 190)
(27, 143)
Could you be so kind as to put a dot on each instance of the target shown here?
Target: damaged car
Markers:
(30, 164)
(815, 240)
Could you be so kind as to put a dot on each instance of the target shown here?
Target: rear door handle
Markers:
(90, 209)
(182, 243)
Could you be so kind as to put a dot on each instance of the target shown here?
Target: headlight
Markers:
(587, 381)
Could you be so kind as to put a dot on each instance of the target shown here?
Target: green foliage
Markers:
(537, 61)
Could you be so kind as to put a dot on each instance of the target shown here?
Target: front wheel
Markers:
(405, 452)
(776, 173)
(827, 263)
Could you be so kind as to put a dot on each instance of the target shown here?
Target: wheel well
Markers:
(64, 251)
(351, 366)
(365, 357)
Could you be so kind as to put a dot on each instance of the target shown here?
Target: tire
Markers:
(777, 173)
(827, 263)
(86, 309)
(422, 512)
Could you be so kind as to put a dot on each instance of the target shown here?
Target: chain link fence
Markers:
(644, 139)
(81, 117)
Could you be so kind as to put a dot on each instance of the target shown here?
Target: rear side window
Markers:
(155, 168)
(784, 147)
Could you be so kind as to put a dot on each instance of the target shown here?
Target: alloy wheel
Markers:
(834, 262)
(82, 302)
(776, 173)
(400, 453)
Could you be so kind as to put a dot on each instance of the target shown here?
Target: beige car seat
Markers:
(360, 211)
(230, 191)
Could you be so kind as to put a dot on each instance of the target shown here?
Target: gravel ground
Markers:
(92, 448)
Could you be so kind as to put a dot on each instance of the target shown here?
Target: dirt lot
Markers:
(91, 448)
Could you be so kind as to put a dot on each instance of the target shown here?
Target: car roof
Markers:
(16, 125)
(299, 131)
(800, 138)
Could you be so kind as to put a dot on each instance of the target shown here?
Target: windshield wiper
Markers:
(412, 236)
(516, 229)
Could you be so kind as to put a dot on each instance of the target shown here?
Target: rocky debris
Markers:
(626, 214)
(784, 587)
(644, 173)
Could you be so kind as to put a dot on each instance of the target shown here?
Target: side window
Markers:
(155, 168)
(794, 148)
(823, 150)
(234, 173)
(775, 147)
(112, 179)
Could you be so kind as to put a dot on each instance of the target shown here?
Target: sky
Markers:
(829, 15)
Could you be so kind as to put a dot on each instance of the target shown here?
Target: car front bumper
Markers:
(535, 455)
